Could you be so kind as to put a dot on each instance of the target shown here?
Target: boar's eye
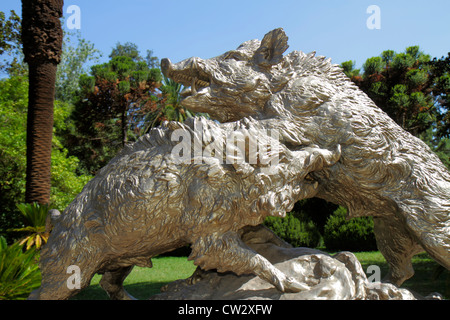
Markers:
(235, 55)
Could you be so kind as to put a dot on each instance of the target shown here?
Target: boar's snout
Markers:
(166, 67)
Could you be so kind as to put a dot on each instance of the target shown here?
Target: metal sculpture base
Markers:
(325, 277)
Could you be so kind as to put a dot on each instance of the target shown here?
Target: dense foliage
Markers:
(111, 107)
(66, 183)
(10, 43)
(355, 234)
(296, 229)
(35, 218)
(19, 272)
(440, 69)
(413, 90)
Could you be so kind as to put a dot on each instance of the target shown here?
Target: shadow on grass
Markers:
(141, 291)
(426, 280)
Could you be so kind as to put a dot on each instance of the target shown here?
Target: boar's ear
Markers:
(273, 45)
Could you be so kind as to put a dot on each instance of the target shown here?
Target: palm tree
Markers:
(170, 107)
(37, 227)
(42, 44)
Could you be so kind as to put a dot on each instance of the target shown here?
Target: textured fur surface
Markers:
(148, 201)
(383, 172)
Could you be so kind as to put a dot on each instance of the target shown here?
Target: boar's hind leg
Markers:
(229, 253)
(112, 283)
(397, 247)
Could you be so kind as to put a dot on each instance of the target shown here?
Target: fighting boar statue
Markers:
(383, 171)
(289, 128)
(177, 186)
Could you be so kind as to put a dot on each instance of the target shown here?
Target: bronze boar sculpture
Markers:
(383, 171)
(187, 183)
(177, 186)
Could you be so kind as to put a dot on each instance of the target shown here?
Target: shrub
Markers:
(317, 210)
(355, 234)
(35, 216)
(19, 273)
(295, 229)
(66, 182)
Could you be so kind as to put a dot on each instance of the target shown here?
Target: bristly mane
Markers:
(316, 103)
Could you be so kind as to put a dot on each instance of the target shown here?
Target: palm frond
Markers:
(34, 213)
(19, 273)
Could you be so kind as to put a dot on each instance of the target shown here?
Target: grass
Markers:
(426, 279)
(144, 282)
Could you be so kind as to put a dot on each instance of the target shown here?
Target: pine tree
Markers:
(112, 106)
(401, 85)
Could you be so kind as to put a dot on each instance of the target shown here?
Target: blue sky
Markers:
(333, 28)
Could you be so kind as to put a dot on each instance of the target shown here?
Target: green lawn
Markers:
(144, 282)
(425, 279)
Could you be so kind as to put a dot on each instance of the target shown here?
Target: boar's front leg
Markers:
(112, 283)
(227, 252)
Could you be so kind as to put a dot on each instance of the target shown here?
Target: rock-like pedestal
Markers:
(338, 277)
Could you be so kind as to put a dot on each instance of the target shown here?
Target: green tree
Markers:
(296, 229)
(349, 69)
(169, 107)
(128, 49)
(76, 53)
(65, 182)
(355, 234)
(152, 61)
(11, 44)
(439, 137)
(441, 91)
(131, 50)
(112, 106)
(13, 117)
(400, 84)
(413, 90)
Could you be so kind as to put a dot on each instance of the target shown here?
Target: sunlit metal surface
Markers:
(153, 197)
(383, 172)
(331, 142)
(324, 277)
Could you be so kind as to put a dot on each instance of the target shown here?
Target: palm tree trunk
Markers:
(42, 43)
(39, 132)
